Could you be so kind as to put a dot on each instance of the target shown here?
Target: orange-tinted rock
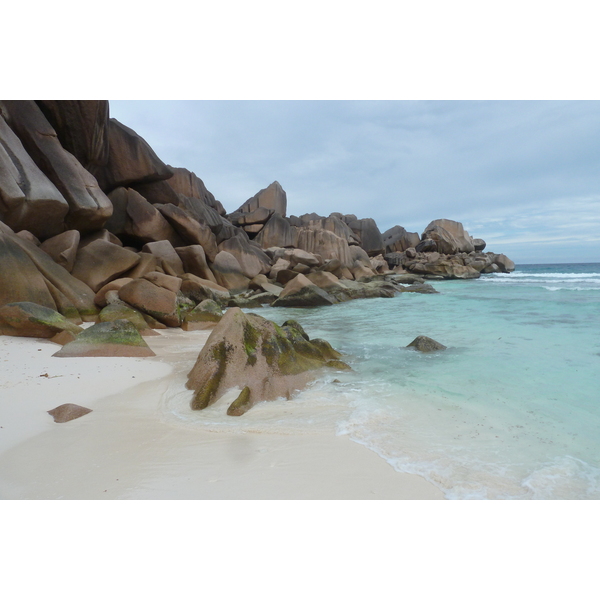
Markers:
(148, 262)
(449, 236)
(252, 260)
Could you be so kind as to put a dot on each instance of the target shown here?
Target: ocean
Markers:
(511, 410)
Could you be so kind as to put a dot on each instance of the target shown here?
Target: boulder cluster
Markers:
(91, 217)
(95, 227)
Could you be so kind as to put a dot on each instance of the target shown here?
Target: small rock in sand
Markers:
(68, 412)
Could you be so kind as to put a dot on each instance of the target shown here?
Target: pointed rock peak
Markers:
(272, 197)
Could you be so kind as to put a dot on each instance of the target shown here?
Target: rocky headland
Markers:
(95, 227)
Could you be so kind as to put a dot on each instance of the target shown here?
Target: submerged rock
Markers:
(115, 338)
(423, 343)
(248, 351)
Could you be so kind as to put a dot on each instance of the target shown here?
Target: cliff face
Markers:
(85, 201)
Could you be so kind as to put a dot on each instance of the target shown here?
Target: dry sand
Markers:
(142, 442)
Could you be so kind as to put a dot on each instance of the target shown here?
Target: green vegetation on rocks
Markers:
(245, 350)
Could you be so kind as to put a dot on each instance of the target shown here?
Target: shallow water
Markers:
(510, 410)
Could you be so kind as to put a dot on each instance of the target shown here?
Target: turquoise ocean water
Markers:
(510, 410)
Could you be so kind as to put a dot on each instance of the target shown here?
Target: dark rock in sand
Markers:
(68, 412)
(423, 343)
(115, 338)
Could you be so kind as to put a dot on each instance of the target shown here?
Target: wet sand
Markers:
(132, 446)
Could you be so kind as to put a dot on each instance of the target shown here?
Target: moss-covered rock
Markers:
(114, 312)
(422, 343)
(206, 315)
(295, 325)
(26, 319)
(338, 365)
(115, 338)
(248, 351)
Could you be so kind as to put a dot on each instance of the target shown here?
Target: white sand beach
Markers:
(135, 446)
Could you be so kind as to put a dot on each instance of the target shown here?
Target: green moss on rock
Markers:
(241, 404)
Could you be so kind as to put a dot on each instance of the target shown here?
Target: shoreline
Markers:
(133, 447)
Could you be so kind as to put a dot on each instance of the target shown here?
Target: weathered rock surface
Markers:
(397, 239)
(130, 160)
(450, 236)
(115, 338)
(189, 229)
(228, 273)
(423, 343)
(158, 302)
(116, 312)
(28, 274)
(198, 289)
(247, 351)
(62, 248)
(194, 261)
(68, 412)
(89, 207)
(81, 126)
(189, 185)
(136, 221)
(370, 236)
(100, 262)
(26, 319)
(273, 197)
(252, 260)
(302, 292)
(28, 199)
(166, 255)
(277, 232)
(205, 316)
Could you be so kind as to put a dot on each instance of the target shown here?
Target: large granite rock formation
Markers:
(273, 197)
(130, 160)
(264, 360)
(89, 207)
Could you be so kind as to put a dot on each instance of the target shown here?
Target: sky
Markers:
(522, 175)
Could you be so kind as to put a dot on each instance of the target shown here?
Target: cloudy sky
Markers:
(523, 175)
